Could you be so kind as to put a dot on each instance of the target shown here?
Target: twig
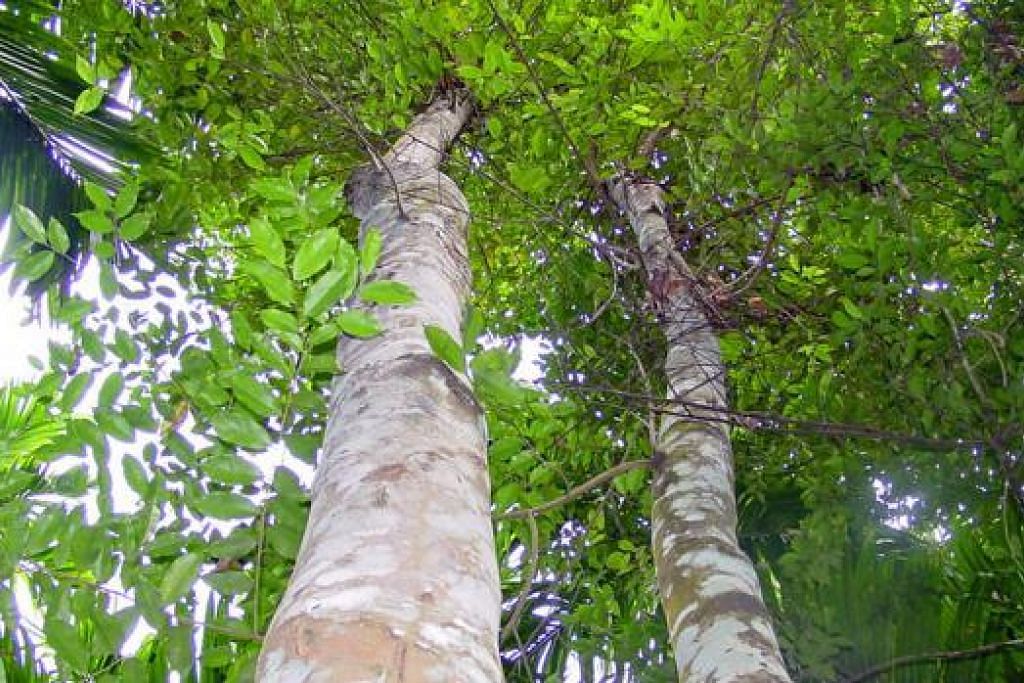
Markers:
(599, 311)
(650, 420)
(950, 656)
(577, 491)
(33, 567)
(529, 572)
(787, 8)
(589, 168)
(349, 118)
(258, 569)
(968, 368)
(750, 276)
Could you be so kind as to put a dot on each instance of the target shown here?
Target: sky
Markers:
(19, 338)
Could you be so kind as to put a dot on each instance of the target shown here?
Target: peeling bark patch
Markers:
(352, 650)
(669, 482)
(418, 366)
(732, 604)
(361, 650)
(387, 473)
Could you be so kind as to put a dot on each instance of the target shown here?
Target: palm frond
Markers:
(25, 428)
(46, 149)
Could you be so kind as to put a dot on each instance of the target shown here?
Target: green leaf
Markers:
(135, 475)
(74, 390)
(315, 253)
(275, 282)
(68, 644)
(28, 222)
(35, 265)
(445, 347)
(126, 199)
(179, 577)
(125, 347)
(358, 324)
(320, 363)
(251, 158)
(238, 427)
(115, 424)
(346, 260)
(58, 236)
(323, 334)
(388, 292)
(473, 327)
(96, 221)
(134, 227)
(851, 308)
(300, 172)
(230, 469)
(286, 540)
(327, 291)
(217, 40)
(274, 189)
(97, 195)
(225, 505)
(267, 241)
(254, 395)
(88, 100)
(229, 582)
(851, 260)
(111, 389)
(619, 562)
(282, 321)
(109, 288)
(85, 70)
(369, 253)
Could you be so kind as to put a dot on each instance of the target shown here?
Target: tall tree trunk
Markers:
(397, 578)
(718, 625)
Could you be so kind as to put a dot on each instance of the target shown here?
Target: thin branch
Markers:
(590, 168)
(650, 420)
(349, 118)
(34, 567)
(750, 277)
(968, 368)
(529, 572)
(950, 656)
(787, 8)
(577, 491)
(774, 422)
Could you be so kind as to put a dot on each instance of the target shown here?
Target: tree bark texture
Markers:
(718, 624)
(397, 580)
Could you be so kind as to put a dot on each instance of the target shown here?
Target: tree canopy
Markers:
(845, 181)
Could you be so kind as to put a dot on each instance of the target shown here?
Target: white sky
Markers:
(18, 338)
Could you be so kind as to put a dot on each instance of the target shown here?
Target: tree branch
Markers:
(577, 491)
(950, 656)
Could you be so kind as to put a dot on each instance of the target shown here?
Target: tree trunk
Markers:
(397, 578)
(718, 625)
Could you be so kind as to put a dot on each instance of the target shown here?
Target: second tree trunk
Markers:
(718, 626)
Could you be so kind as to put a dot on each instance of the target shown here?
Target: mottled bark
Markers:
(718, 625)
(397, 580)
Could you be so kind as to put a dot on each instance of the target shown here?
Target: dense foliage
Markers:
(846, 181)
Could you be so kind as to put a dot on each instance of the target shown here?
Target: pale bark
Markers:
(397, 578)
(719, 628)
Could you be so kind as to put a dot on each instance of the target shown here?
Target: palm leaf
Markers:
(25, 428)
(46, 149)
